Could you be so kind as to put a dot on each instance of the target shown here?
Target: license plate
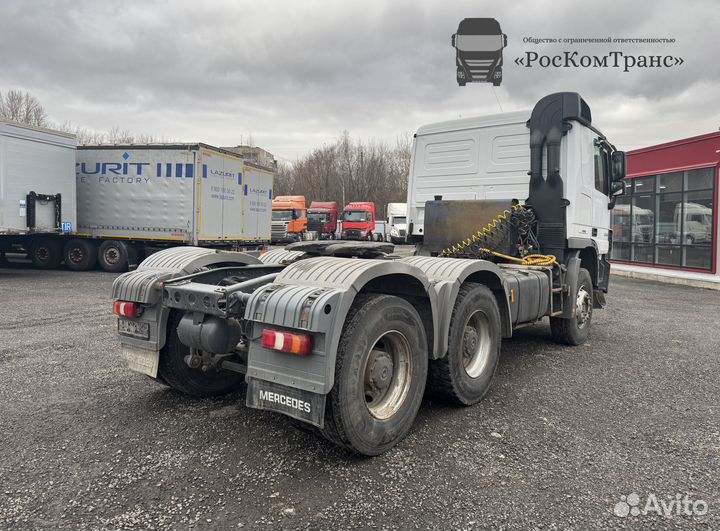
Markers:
(297, 403)
(136, 329)
(141, 360)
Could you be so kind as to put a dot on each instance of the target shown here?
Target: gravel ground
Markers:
(562, 435)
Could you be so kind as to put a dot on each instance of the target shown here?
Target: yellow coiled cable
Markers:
(490, 230)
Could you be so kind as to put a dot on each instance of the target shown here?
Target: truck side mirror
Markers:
(504, 40)
(452, 40)
(618, 165)
(617, 188)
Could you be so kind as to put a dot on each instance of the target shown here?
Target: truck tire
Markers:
(80, 254)
(575, 331)
(464, 375)
(380, 374)
(174, 372)
(45, 253)
(114, 256)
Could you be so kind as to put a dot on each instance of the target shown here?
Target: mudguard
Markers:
(144, 285)
(280, 256)
(314, 295)
(446, 276)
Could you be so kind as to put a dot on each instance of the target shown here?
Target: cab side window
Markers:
(601, 169)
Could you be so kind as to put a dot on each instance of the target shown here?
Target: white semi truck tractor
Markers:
(346, 336)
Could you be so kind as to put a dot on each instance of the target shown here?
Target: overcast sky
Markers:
(296, 73)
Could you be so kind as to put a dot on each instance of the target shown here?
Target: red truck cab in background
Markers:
(323, 218)
(358, 221)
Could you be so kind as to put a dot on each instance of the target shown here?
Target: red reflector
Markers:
(300, 345)
(125, 309)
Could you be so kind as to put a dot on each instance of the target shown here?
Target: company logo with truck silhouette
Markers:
(479, 44)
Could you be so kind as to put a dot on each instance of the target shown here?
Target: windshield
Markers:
(282, 215)
(399, 220)
(319, 217)
(355, 215)
(479, 43)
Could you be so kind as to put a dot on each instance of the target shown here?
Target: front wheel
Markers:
(464, 375)
(575, 331)
(380, 373)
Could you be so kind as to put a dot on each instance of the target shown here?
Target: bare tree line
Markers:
(24, 108)
(350, 170)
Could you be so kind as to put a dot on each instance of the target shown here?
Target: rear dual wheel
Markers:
(464, 375)
(380, 374)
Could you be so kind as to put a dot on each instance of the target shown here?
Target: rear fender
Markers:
(447, 275)
(144, 285)
(315, 295)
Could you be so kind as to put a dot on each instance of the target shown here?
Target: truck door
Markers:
(600, 212)
(257, 193)
(211, 182)
(233, 198)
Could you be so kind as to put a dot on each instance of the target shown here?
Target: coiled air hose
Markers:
(494, 233)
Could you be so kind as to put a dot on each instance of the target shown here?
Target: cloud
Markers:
(296, 74)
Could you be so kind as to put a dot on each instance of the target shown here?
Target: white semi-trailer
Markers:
(346, 336)
(135, 199)
(37, 190)
(114, 205)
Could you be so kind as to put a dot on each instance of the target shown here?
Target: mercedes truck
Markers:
(346, 336)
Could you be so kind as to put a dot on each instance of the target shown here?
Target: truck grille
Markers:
(479, 68)
(279, 230)
(315, 226)
(352, 234)
(403, 232)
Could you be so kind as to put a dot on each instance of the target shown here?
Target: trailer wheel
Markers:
(174, 372)
(380, 374)
(80, 254)
(464, 375)
(45, 253)
(575, 331)
(114, 256)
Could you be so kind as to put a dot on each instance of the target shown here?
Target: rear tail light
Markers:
(126, 309)
(298, 344)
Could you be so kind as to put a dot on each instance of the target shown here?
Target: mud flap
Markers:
(296, 403)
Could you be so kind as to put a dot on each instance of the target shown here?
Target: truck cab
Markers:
(289, 218)
(358, 221)
(479, 43)
(493, 158)
(323, 218)
(397, 222)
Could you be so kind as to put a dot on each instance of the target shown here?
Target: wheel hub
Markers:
(380, 370)
(112, 256)
(583, 307)
(386, 374)
(76, 255)
(470, 344)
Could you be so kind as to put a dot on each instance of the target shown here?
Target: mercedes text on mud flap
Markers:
(346, 336)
